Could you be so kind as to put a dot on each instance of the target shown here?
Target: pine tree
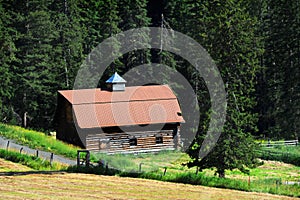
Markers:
(69, 45)
(100, 20)
(281, 62)
(7, 55)
(34, 98)
(226, 30)
(133, 14)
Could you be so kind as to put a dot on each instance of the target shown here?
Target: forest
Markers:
(255, 45)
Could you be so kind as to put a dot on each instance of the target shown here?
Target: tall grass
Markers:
(30, 161)
(287, 154)
(37, 140)
(144, 161)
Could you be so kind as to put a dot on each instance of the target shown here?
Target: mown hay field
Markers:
(60, 185)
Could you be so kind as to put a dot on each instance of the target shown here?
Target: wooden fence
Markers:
(279, 143)
(45, 155)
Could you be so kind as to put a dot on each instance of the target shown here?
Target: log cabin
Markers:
(119, 119)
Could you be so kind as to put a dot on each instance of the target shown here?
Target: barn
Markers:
(119, 119)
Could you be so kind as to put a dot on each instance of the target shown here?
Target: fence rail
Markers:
(11, 145)
(280, 143)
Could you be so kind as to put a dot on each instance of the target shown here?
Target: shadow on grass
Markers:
(31, 172)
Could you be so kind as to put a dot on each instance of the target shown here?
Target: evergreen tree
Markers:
(101, 21)
(133, 14)
(35, 96)
(226, 30)
(69, 45)
(281, 74)
(7, 55)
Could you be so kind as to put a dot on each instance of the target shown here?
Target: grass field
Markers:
(84, 186)
(8, 166)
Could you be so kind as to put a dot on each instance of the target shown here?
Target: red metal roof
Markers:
(136, 105)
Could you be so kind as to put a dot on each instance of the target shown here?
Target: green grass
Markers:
(148, 161)
(287, 154)
(30, 161)
(37, 140)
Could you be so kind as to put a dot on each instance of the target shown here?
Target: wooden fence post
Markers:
(140, 167)
(78, 158)
(87, 159)
(249, 181)
(165, 171)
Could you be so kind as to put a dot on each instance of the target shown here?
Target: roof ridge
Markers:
(111, 102)
(135, 86)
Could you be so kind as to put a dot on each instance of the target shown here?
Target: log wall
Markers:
(120, 142)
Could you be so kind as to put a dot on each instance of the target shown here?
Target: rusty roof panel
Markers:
(135, 106)
(127, 113)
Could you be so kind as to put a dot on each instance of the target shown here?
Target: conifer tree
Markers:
(69, 44)
(34, 98)
(7, 56)
(281, 74)
(226, 30)
(133, 14)
(100, 20)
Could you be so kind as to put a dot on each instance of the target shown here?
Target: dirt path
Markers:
(27, 150)
(85, 186)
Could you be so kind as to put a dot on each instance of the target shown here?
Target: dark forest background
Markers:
(255, 44)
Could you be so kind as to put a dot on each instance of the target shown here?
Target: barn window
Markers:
(159, 139)
(133, 141)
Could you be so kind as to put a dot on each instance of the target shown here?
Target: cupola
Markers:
(116, 83)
